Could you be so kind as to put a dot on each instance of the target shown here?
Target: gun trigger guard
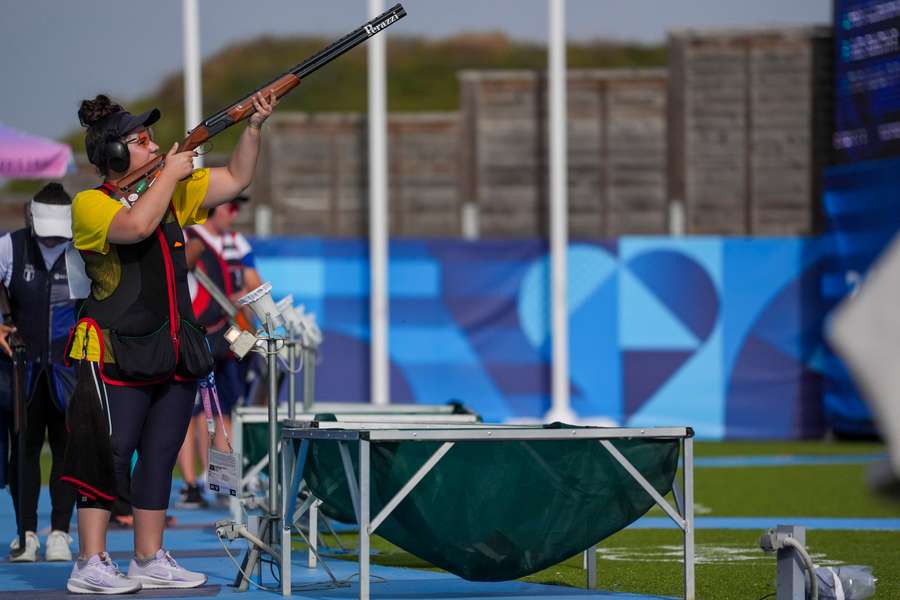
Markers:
(204, 148)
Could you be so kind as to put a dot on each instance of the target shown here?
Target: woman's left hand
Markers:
(5, 330)
(264, 107)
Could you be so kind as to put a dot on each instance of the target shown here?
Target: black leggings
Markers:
(152, 420)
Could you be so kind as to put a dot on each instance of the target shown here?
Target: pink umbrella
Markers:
(25, 156)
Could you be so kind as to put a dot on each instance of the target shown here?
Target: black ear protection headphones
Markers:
(111, 153)
(116, 156)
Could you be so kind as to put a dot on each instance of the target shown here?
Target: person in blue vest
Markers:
(33, 269)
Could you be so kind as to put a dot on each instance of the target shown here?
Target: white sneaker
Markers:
(162, 571)
(99, 575)
(31, 547)
(57, 546)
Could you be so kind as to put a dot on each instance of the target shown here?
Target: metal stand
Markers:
(292, 375)
(266, 540)
(790, 582)
(309, 353)
(590, 567)
(359, 482)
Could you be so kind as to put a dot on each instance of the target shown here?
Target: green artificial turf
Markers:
(730, 564)
(808, 491)
(785, 448)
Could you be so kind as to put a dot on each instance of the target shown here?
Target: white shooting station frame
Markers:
(298, 435)
(254, 415)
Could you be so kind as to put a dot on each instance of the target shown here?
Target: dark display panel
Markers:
(867, 79)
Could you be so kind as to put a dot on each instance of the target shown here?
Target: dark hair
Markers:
(93, 111)
(53, 193)
(92, 114)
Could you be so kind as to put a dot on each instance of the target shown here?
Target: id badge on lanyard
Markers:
(222, 475)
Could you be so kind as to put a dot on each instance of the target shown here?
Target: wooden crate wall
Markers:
(616, 151)
(314, 174)
(747, 121)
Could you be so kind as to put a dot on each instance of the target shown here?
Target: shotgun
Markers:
(20, 409)
(138, 179)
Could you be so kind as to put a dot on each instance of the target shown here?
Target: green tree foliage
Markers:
(422, 75)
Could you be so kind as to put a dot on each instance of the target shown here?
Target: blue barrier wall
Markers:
(860, 202)
(722, 334)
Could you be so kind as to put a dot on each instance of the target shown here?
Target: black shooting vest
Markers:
(43, 313)
(147, 322)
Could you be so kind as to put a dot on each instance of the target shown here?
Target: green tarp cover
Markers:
(256, 444)
(498, 510)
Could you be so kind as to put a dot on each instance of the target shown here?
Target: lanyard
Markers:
(209, 395)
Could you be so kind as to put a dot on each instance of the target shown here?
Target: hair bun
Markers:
(92, 111)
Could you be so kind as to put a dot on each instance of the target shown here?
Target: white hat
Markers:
(51, 212)
(51, 220)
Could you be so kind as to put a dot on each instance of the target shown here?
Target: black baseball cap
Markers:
(123, 122)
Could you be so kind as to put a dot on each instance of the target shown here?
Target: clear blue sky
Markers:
(56, 52)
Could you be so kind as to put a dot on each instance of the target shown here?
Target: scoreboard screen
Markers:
(867, 79)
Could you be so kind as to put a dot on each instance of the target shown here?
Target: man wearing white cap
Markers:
(33, 269)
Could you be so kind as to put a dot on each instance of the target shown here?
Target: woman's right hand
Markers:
(140, 221)
(179, 164)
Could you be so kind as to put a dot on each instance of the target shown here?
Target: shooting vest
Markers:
(207, 310)
(146, 323)
(42, 312)
(233, 256)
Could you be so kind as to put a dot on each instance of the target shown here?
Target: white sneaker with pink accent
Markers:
(99, 575)
(162, 571)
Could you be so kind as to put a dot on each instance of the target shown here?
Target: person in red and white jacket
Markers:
(226, 257)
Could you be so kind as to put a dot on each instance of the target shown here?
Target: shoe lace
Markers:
(109, 566)
(168, 558)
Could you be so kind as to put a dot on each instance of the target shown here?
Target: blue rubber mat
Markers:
(47, 582)
(195, 545)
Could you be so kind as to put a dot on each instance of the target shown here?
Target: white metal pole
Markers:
(378, 212)
(560, 409)
(193, 92)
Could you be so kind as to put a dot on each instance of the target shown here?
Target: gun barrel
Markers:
(349, 41)
(223, 119)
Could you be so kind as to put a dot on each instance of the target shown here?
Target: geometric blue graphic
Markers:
(720, 334)
(681, 285)
(588, 268)
(644, 372)
(648, 323)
